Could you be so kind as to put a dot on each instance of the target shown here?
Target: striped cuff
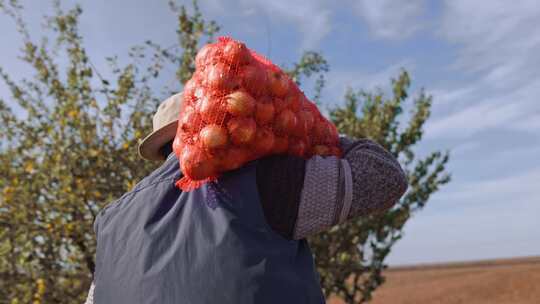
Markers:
(318, 201)
(346, 201)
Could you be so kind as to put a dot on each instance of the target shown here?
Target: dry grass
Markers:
(512, 281)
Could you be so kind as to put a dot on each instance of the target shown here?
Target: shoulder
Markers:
(163, 176)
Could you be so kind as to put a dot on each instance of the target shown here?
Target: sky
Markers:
(480, 60)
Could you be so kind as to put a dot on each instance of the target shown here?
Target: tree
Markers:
(354, 252)
(68, 147)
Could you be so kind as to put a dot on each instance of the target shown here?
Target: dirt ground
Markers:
(512, 281)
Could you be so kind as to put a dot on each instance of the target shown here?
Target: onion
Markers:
(311, 107)
(206, 56)
(308, 119)
(199, 93)
(321, 150)
(325, 132)
(278, 82)
(211, 109)
(253, 79)
(335, 151)
(285, 122)
(242, 130)
(240, 103)
(304, 102)
(321, 131)
(232, 158)
(264, 141)
(264, 112)
(236, 53)
(178, 146)
(186, 137)
(305, 123)
(292, 101)
(195, 163)
(334, 134)
(279, 105)
(213, 137)
(188, 92)
(297, 148)
(190, 120)
(221, 77)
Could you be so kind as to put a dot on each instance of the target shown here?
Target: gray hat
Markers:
(164, 125)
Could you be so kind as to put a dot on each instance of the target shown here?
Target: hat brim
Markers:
(150, 146)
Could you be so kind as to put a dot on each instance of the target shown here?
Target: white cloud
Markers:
(499, 38)
(473, 119)
(312, 19)
(339, 80)
(392, 20)
(465, 148)
(530, 124)
(521, 187)
(499, 44)
(507, 109)
(447, 96)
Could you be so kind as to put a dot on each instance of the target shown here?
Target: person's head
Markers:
(158, 144)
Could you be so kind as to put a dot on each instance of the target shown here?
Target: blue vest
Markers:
(157, 244)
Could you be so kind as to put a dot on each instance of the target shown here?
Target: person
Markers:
(241, 239)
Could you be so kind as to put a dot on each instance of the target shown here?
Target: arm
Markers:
(378, 181)
(301, 198)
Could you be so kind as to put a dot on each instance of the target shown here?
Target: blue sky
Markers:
(479, 59)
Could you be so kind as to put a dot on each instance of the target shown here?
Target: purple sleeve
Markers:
(368, 179)
(301, 198)
(280, 180)
(378, 179)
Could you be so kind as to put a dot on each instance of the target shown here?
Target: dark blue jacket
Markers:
(157, 244)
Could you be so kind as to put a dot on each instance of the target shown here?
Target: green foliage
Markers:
(68, 146)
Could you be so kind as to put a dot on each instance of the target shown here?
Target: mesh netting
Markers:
(238, 107)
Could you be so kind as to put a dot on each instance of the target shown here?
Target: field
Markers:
(512, 281)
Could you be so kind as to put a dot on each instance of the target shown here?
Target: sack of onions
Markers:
(239, 107)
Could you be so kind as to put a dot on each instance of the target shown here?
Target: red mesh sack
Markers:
(238, 107)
